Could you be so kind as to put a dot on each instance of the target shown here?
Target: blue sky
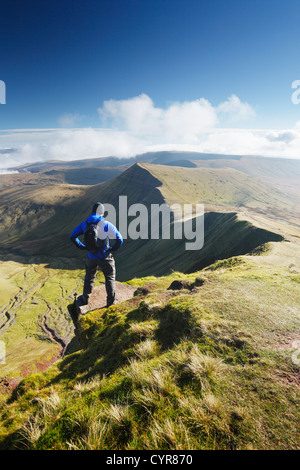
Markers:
(64, 61)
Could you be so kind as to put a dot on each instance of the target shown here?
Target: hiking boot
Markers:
(83, 299)
(111, 302)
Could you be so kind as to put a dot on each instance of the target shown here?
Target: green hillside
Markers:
(56, 175)
(199, 361)
(224, 189)
(204, 355)
(282, 173)
(35, 324)
(225, 236)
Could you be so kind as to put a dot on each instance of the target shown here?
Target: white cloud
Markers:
(89, 142)
(70, 119)
(7, 172)
(284, 136)
(234, 109)
(136, 125)
(180, 122)
(71, 144)
(186, 121)
(137, 115)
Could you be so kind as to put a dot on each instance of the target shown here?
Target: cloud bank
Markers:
(179, 123)
(135, 125)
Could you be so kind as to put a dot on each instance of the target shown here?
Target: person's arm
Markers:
(74, 237)
(113, 232)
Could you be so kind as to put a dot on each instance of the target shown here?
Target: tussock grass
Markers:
(147, 349)
(94, 439)
(91, 431)
(48, 409)
(161, 380)
(147, 398)
(194, 414)
(117, 413)
(88, 385)
(32, 430)
(136, 372)
(212, 403)
(204, 367)
(143, 329)
(169, 434)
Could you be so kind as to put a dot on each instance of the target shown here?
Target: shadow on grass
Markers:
(109, 344)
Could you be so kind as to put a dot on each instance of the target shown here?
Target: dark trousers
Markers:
(108, 268)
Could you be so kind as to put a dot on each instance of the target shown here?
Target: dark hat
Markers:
(98, 208)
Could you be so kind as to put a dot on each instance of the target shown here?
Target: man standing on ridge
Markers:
(97, 231)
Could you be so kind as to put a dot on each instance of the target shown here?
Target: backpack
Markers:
(91, 240)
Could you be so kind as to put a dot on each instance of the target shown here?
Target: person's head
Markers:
(98, 208)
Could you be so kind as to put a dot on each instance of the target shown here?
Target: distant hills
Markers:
(277, 171)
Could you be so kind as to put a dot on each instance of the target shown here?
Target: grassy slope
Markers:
(223, 189)
(42, 218)
(203, 367)
(281, 173)
(209, 366)
(25, 208)
(34, 300)
(225, 236)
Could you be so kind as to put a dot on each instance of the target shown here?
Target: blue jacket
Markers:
(106, 229)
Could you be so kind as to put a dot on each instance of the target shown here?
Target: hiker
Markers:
(97, 231)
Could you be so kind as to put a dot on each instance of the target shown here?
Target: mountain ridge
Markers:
(148, 184)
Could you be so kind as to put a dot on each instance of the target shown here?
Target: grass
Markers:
(203, 367)
(34, 296)
(194, 368)
(219, 187)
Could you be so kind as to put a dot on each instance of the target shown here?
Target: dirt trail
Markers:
(97, 299)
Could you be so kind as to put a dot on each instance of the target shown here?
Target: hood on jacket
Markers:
(94, 218)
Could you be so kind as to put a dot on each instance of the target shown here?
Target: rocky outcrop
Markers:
(97, 298)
